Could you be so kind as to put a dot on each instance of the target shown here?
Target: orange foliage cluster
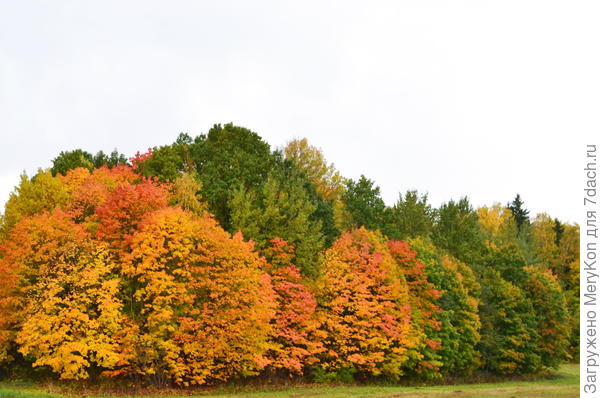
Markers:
(366, 309)
(116, 279)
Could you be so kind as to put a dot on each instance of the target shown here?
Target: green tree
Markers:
(168, 162)
(520, 213)
(114, 159)
(508, 261)
(457, 231)
(508, 327)
(230, 156)
(459, 322)
(410, 217)
(363, 201)
(68, 160)
(281, 208)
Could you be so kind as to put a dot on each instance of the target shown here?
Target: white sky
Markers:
(476, 98)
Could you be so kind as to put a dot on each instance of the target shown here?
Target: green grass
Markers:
(564, 384)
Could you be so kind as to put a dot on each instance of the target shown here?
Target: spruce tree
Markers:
(520, 213)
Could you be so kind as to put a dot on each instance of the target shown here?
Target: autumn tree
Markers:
(88, 190)
(186, 192)
(120, 214)
(62, 306)
(296, 330)
(328, 181)
(32, 196)
(310, 159)
(543, 232)
(201, 307)
(365, 307)
(498, 225)
(550, 307)
(425, 316)
(561, 255)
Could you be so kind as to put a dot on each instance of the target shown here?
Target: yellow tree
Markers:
(544, 238)
(41, 192)
(328, 181)
(185, 192)
(200, 305)
(498, 223)
(65, 296)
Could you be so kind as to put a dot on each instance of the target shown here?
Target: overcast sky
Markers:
(453, 98)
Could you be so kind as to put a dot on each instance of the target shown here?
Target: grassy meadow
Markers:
(564, 383)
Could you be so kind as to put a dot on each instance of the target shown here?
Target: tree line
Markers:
(218, 257)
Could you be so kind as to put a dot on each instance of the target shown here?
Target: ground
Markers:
(564, 384)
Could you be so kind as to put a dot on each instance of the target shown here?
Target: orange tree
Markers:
(296, 329)
(200, 306)
(365, 307)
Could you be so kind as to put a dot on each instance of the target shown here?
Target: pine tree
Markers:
(520, 213)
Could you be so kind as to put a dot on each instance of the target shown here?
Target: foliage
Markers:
(410, 217)
(364, 204)
(424, 301)
(457, 231)
(230, 157)
(186, 192)
(459, 320)
(519, 212)
(281, 209)
(202, 307)
(310, 160)
(88, 190)
(296, 328)
(64, 296)
(550, 307)
(167, 162)
(69, 160)
(498, 225)
(121, 212)
(130, 271)
(32, 196)
(364, 307)
(508, 327)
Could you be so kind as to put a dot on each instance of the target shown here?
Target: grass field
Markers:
(565, 384)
